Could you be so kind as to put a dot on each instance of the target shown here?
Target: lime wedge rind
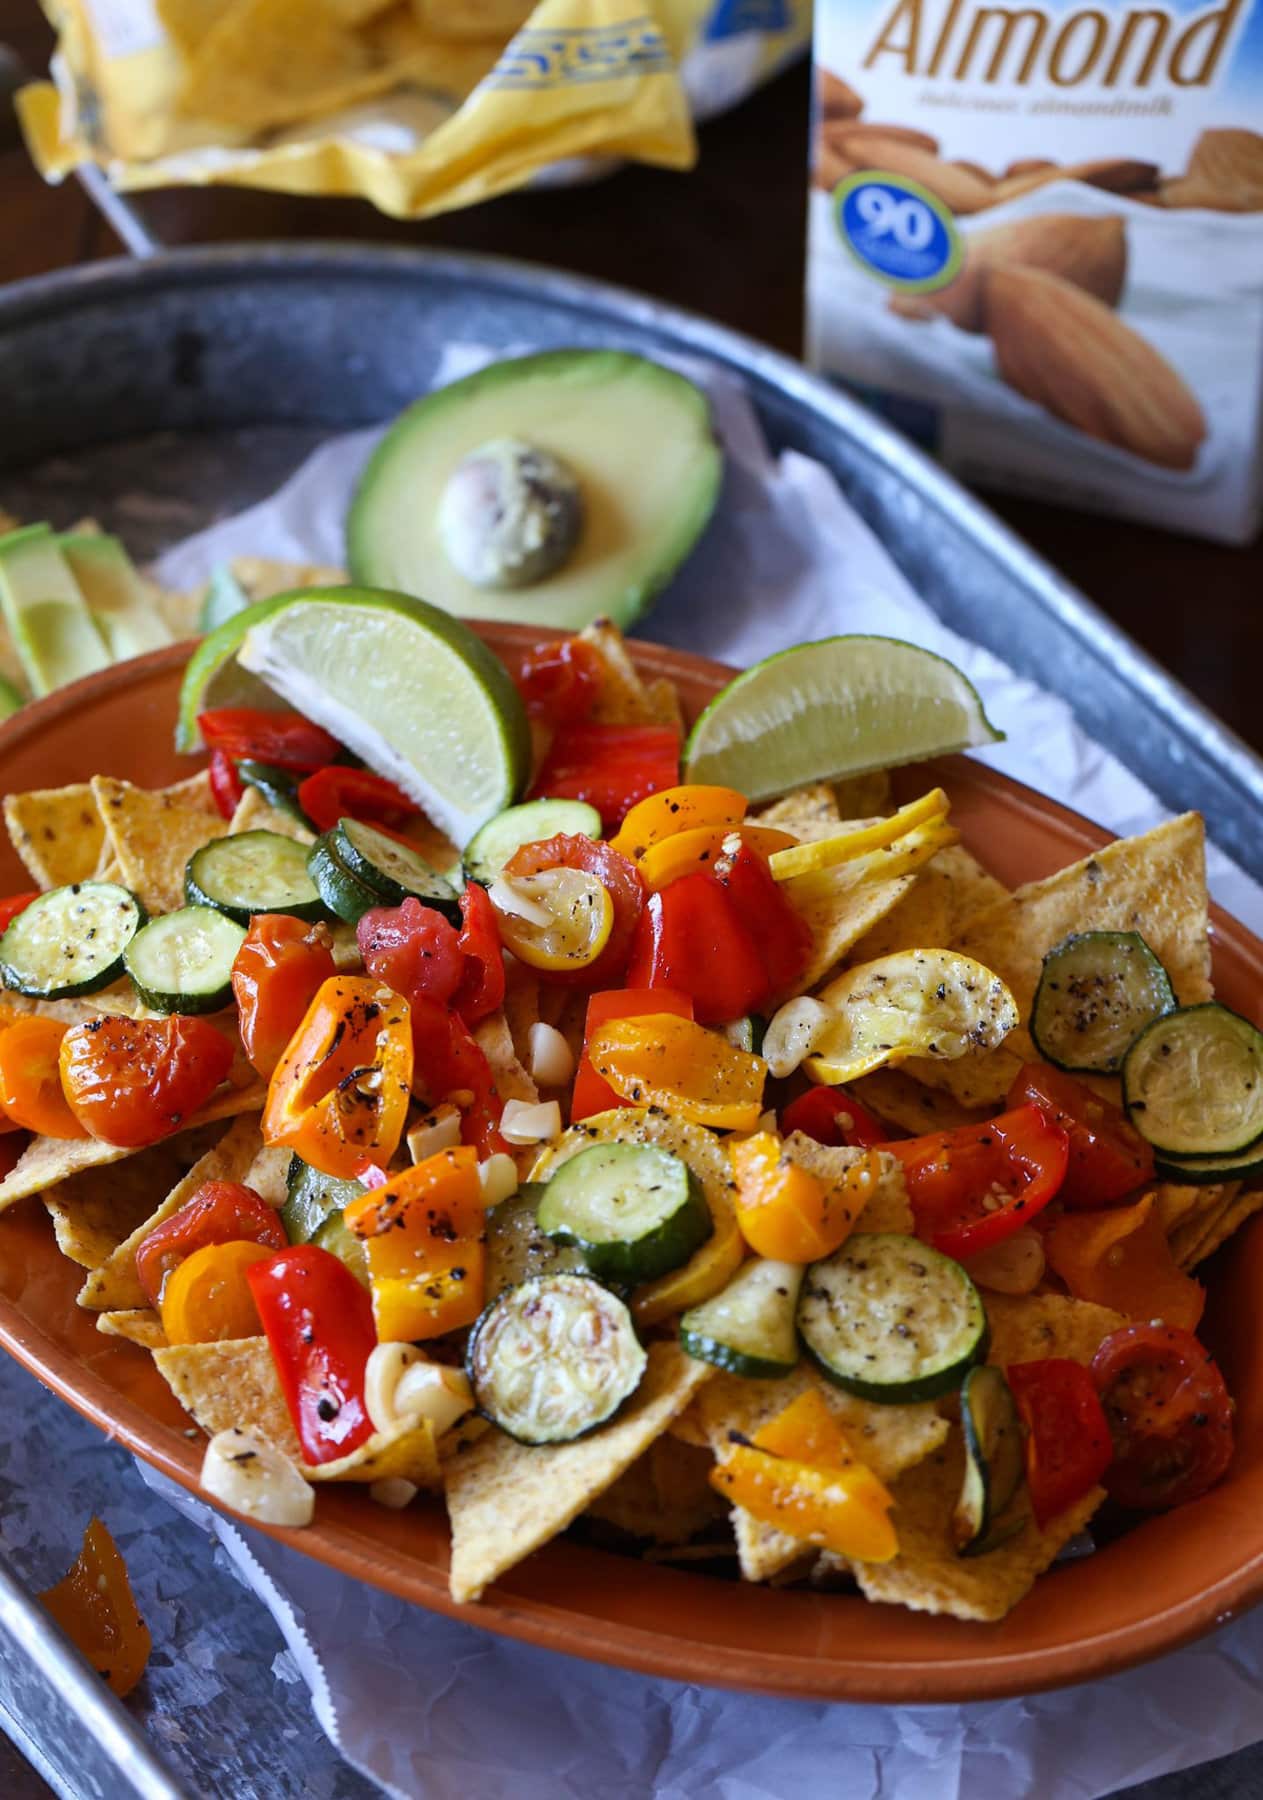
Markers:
(213, 677)
(839, 707)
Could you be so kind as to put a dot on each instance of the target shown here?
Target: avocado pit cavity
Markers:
(509, 515)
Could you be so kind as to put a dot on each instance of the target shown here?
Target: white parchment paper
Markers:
(434, 1709)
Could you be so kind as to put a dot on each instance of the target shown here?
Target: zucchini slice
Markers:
(279, 787)
(890, 1319)
(516, 1247)
(312, 1214)
(553, 1358)
(392, 870)
(634, 1210)
(1097, 990)
(748, 1328)
(994, 1459)
(70, 940)
(1204, 1171)
(344, 894)
(182, 962)
(253, 872)
(489, 849)
(1193, 1083)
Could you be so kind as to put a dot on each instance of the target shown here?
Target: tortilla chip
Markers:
(1215, 1225)
(92, 1213)
(921, 921)
(113, 1286)
(928, 1575)
(665, 1497)
(261, 577)
(973, 890)
(840, 919)
(663, 700)
(899, 1099)
(813, 805)
(1154, 884)
(861, 794)
(622, 697)
(254, 813)
(505, 1499)
(409, 1454)
(522, 1000)
(1029, 1327)
(139, 1325)
(888, 1439)
(57, 832)
(231, 1383)
(887, 1208)
(267, 1174)
(119, 1001)
(153, 835)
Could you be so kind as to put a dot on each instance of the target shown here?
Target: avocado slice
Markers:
(636, 437)
(125, 615)
(47, 616)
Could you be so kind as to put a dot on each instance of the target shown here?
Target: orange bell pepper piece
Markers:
(96, 1609)
(207, 1298)
(662, 1060)
(590, 1094)
(1121, 1258)
(806, 1432)
(424, 1234)
(689, 851)
(339, 1095)
(674, 810)
(840, 1505)
(30, 1078)
(787, 1213)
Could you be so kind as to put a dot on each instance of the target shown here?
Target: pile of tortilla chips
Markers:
(642, 1480)
(416, 105)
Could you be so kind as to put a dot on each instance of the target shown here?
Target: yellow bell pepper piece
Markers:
(690, 851)
(785, 1212)
(677, 809)
(662, 1060)
(806, 1432)
(708, 1271)
(846, 1510)
(827, 853)
(424, 1234)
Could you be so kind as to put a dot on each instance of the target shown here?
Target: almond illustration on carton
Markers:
(837, 98)
(1090, 252)
(872, 147)
(1116, 174)
(1225, 173)
(1065, 349)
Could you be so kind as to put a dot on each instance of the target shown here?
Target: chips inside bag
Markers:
(417, 106)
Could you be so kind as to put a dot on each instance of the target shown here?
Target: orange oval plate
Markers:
(1166, 1582)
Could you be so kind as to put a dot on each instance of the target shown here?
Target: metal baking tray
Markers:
(158, 395)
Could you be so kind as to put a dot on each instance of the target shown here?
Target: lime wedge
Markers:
(839, 707)
(10, 698)
(213, 676)
(407, 687)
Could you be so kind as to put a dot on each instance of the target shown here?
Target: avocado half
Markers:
(637, 436)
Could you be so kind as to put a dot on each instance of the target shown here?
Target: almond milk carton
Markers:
(1036, 243)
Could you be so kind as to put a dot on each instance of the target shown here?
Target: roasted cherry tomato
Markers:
(30, 1078)
(278, 969)
(619, 879)
(609, 766)
(1108, 1157)
(834, 1118)
(482, 986)
(1068, 1445)
(207, 1298)
(975, 1186)
(319, 1324)
(15, 904)
(559, 682)
(283, 738)
(413, 949)
(339, 792)
(449, 1064)
(1169, 1415)
(134, 1081)
(225, 783)
(220, 1212)
(94, 1605)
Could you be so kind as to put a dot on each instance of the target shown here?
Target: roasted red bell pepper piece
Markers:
(1068, 1446)
(285, 739)
(1108, 1157)
(609, 766)
(975, 1186)
(225, 784)
(319, 1324)
(448, 1064)
(833, 1117)
(15, 904)
(691, 939)
(340, 792)
(481, 988)
(560, 681)
(759, 902)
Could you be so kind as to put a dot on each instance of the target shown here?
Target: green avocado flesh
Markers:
(45, 611)
(638, 438)
(125, 614)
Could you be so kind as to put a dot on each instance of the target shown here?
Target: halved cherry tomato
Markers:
(225, 784)
(560, 681)
(448, 1064)
(833, 1117)
(590, 1094)
(1108, 1157)
(15, 904)
(1169, 1414)
(974, 1186)
(1068, 1445)
(482, 986)
(220, 1212)
(30, 1078)
(95, 1607)
(413, 949)
(274, 979)
(208, 1299)
(339, 792)
(621, 882)
(319, 1324)
(133, 1082)
(609, 766)
(283, 738)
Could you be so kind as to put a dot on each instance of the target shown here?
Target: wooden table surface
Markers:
(726, 240)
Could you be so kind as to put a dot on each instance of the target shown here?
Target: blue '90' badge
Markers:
(897, 230)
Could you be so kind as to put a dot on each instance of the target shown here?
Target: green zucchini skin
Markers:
(516, 1247)
(279, 787)
(312, 1214)
(70, 941)
(993, 1460)
(554, 1358)
(253, 872)
(182, 962)
(391, 870)
(748, 1327)
(490, 848)
(344, 894)
(1097, 989)
(1193, 1085)
(866, 1319)
(635, 1211)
